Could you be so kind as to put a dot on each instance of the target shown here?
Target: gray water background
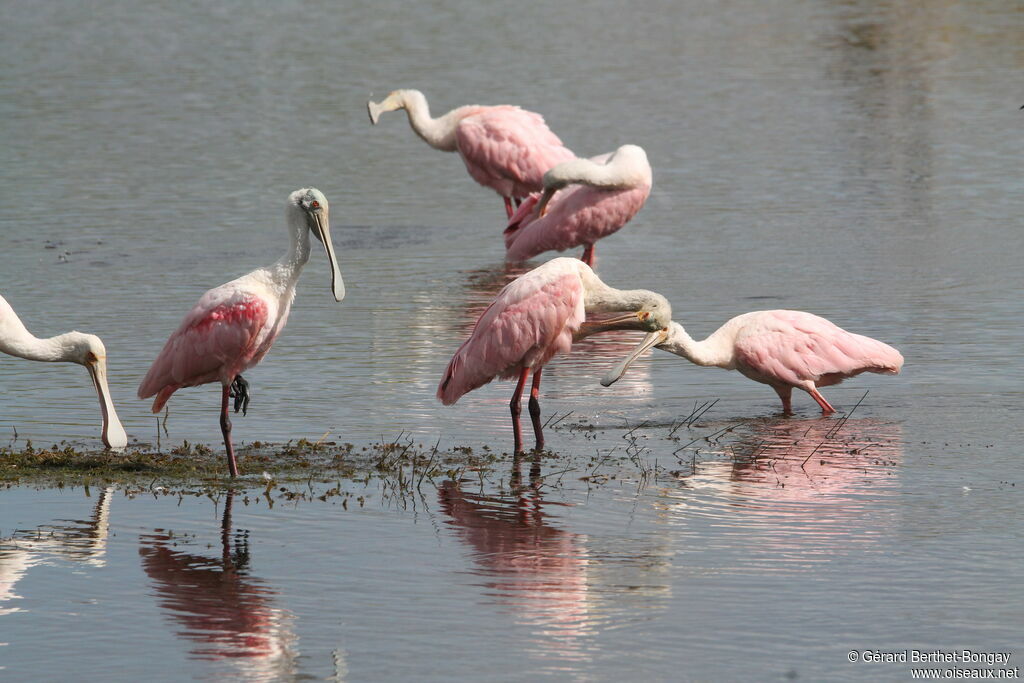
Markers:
(859, 160)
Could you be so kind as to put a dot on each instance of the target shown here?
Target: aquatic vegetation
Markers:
(190, 464)
(771, 451)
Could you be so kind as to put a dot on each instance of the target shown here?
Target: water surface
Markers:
(853, 159)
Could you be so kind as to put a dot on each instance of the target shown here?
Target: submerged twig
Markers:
(552, 424)
(835, 430)
(728, 428)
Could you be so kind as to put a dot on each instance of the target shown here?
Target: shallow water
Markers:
(852, 159)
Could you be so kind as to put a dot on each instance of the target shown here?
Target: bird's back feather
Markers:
(532, 318)
(222, 335)
(794, 348)
(576, 216)
(509, 149)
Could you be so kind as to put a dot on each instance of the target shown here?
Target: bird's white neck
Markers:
(439, 133)
(15, 340)
(716, 350)
(624, 169)
(600, 298)
(288, 268)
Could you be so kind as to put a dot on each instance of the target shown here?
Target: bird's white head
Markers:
(396, 99)
(311, 204)
(655, 316)
(655, 311)
(88, 350)
(83, 348)
(632, 165)
(676, 339)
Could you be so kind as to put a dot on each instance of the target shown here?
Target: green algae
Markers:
(189, 465)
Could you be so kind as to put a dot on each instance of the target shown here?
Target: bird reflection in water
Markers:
(227, 613)
(791, 492)
(816, 455)
(535, 570)
(82, 541)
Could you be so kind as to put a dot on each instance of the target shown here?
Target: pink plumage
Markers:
(787, 349)
(578, 216)
(508, 149)
(504, 147)
(794, 347)
(221, 337)
(234, 325)
(583, 201)
(532, 318)
(538, 315)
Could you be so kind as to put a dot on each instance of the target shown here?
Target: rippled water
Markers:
(853, 159)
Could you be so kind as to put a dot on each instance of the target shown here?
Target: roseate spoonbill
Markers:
(537, 315)
(71, 347)
(234, 325)
(605, 193)
(505, 148)
(783, 349)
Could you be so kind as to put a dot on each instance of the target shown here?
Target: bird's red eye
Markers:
(315, 204)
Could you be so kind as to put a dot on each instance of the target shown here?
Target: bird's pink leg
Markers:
(535, 409)
(588, 255)
(508, 207)
(517, 409)
(826, 407)
(225, 428)
(785, 393)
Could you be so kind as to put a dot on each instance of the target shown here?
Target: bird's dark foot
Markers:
(240, 392)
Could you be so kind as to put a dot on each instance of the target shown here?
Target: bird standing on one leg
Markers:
(783, 349)
(233, 326)
(71, 347)
(505, 148)
(537, 315)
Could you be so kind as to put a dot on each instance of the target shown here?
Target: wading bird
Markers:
(537, 315)
(505, 148)
(783, 349)
(71, 347)
(234, 325)
(595, 197)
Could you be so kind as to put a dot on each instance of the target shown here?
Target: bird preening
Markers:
(582, 201)
(234, 325)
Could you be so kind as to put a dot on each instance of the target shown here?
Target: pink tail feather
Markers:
(162, 397)
(451, 389)
(881, 358)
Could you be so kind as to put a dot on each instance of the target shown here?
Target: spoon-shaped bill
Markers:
(112, 433)
(542, 205)
(322, 231)
(374, 109)
(651, 339)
